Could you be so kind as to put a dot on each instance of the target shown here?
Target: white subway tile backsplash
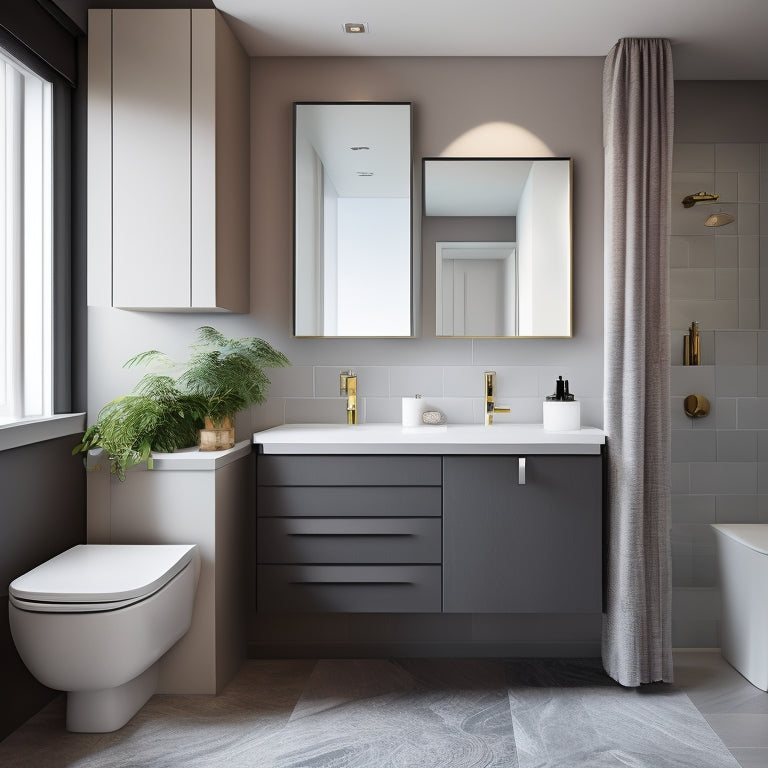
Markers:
(412, 380)
(293, 381)
(301, 410)
(383, 410)
(372, 381)
(458, 410)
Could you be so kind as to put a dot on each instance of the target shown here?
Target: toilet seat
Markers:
(99, 577)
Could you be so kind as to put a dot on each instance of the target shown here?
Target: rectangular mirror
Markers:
(353, 269)
(502, 234)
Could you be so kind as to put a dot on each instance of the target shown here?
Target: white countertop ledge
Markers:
(195, 460)
(441, 440)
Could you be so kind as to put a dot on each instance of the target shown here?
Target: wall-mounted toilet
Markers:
(742, 551)
(95, 620)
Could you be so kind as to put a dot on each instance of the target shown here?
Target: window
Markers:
(26, 223)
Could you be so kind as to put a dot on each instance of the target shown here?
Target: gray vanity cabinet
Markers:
(533, 547)
(349, 533)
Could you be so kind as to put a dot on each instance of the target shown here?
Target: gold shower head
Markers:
(700, 197)
(719, 220)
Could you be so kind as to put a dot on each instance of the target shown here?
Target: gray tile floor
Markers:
(426, 713)
(735, 709)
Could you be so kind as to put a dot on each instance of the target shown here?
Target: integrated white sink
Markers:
(445, 439)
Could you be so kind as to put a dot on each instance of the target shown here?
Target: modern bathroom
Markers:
(264, 672)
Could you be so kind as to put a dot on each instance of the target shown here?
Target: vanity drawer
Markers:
(349, 540)
(338, 501)
(349, 470)
(349, 588)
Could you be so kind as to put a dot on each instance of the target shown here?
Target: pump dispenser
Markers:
(562, 412)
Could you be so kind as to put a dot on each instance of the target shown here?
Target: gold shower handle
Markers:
(696, 406)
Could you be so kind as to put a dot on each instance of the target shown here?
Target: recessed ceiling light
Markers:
(356, 149)
(356, 27)
(365, 173)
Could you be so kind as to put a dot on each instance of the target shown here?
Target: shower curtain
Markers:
(637, 134)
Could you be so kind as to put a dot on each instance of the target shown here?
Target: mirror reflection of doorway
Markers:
(478, 285)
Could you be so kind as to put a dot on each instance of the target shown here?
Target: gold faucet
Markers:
(348, 388)
(490, 407)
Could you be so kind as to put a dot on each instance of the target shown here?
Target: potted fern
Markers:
(164, 412)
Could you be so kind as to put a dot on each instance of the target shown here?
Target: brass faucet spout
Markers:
(348, 388)
(490, 405)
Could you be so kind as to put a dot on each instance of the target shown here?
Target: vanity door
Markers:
(522, 538)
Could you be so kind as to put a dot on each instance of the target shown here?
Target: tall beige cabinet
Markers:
(168, 159)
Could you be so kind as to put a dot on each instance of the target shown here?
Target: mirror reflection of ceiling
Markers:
(360, 146)
(474, 187)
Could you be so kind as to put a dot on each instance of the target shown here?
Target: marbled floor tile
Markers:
(396, 714)
(169, 731)
(591, 725)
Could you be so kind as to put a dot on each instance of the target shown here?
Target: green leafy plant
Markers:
(162, 413)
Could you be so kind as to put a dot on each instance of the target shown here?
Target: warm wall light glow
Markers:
(497, 140)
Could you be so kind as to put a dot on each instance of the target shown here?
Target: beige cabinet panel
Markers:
(169, 145)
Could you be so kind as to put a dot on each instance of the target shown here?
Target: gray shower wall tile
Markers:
(736, 380)
(736, 347)
(736, 509)
(692, 508)
(692, 446)
(723, 477)
(725, 412)
(689, 379)
(293, 381)
(749, 313)
(697, 284)
(749, 252)
(736, 445)
(762, 444)
(726, 251)
(749, 187)
(737, 156)
(747, 218)
(680, 476)
(727, 186)
(693, 157)
(753, 413)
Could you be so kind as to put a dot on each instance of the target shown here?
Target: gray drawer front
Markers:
(348, 540)
(349, 470)
(336, 501)
(349, 588)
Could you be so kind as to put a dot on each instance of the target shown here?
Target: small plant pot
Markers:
(217, 436)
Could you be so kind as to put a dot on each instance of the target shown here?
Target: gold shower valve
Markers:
(696, 406)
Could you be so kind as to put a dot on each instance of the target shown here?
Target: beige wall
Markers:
(550, 101)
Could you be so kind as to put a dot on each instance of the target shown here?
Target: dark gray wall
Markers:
(43, 513)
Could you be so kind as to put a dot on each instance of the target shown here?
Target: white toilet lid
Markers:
(106, 575)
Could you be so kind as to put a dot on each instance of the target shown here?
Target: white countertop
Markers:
(445, 439)
(193, 459)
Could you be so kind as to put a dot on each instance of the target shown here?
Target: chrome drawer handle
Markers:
(521, 471)
(347, 533)
(351, 583)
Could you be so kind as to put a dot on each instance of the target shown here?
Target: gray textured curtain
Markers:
(637, 133)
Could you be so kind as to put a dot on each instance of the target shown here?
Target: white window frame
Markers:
(26, 243)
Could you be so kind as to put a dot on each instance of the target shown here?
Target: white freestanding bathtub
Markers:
(742, 551)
